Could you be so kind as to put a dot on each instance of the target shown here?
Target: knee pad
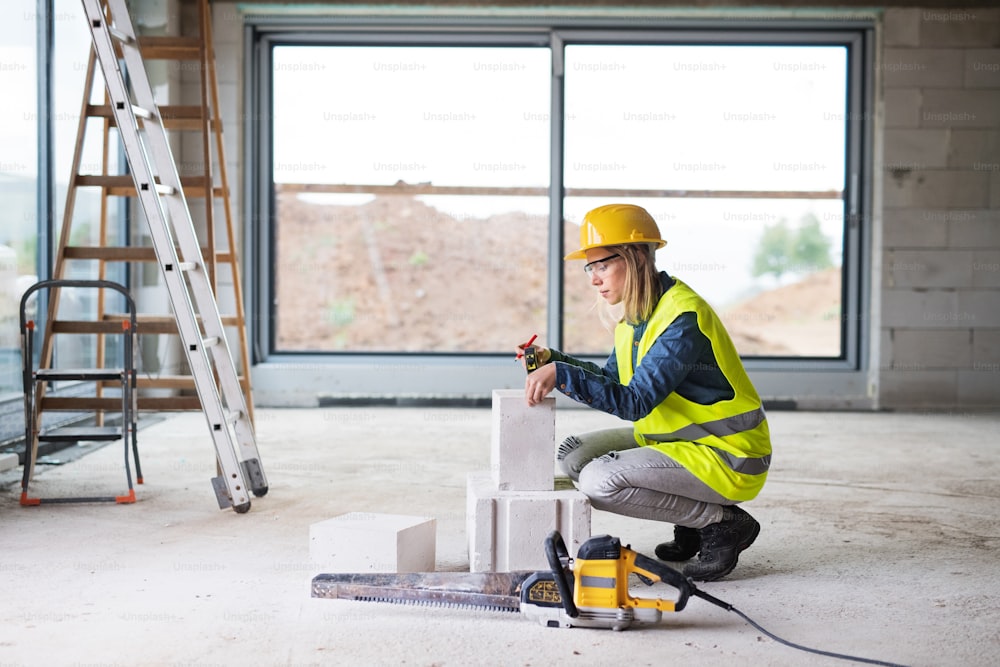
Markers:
(569, 463)
(567, 446)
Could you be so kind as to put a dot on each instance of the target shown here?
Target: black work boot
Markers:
(721, 544)
(687, 542)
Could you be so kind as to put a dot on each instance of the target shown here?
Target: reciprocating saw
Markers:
(590, 591)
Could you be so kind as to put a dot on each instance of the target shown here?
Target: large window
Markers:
(739, 154)
(421, 202)
(18, 181)
(372, 252)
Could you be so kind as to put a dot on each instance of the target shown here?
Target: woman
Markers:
(699, 442)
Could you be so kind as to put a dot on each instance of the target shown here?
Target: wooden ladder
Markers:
(210, 186)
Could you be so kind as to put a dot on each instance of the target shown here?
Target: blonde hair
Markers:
(642, 289)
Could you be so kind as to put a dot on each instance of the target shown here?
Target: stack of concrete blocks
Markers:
(368, 542)
(512, 508)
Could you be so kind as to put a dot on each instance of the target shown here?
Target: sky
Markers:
(637, 116)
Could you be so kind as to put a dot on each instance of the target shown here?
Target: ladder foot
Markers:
(127, 498)
(26, 501)
(243, 508)
(260, 491)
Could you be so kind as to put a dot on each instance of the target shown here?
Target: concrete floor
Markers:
(880, 537)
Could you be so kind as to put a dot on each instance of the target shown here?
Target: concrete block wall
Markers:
(939, 247)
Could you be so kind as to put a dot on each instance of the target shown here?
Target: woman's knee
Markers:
(570, 458)
(597, 482)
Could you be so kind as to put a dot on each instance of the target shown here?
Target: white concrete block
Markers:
(480, 522)
(902, 107)
(522, 446)
(525, 521)
(902, 27)
(8, 462)
(507, 529)
(367, 542)
(921, 68)
(960, 108)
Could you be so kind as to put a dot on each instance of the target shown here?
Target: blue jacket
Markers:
(680, 360)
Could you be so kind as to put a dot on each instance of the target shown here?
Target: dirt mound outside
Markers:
(396, 274)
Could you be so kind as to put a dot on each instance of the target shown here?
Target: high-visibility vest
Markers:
(727, 444)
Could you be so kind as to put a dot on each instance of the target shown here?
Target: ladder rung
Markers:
(111, 254)
(80, 374)
(187, 266)
(138, 112)
(81, 403)
(189, 124)
(145, 403)
(86, 327)
(169, 382)
(170, 48)
(160, 188)
(112, 324)
(166, 324)
(173, 116)
(168, 403)
(155, 324)
(78, 433)
(165, 382)
(120, 36)
(131, 254)
(124, 186)
(211, 341)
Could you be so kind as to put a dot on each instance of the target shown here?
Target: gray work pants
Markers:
(619, 476)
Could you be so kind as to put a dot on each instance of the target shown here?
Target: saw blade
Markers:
(496, 591)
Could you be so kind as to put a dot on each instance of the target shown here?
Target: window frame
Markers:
(791, 381)
(12, 407)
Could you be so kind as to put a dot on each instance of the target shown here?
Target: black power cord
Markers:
(728, 607)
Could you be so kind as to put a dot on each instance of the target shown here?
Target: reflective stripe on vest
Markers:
(726, 444)
(721, 428)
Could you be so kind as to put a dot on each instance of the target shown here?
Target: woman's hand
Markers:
(540, 383)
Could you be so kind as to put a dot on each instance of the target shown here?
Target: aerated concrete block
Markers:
(8, 462)
(522, 446)
(507, 529)
(367, 542)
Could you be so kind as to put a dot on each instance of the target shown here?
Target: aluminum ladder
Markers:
(178, 253)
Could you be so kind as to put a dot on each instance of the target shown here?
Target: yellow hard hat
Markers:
(616, 224)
